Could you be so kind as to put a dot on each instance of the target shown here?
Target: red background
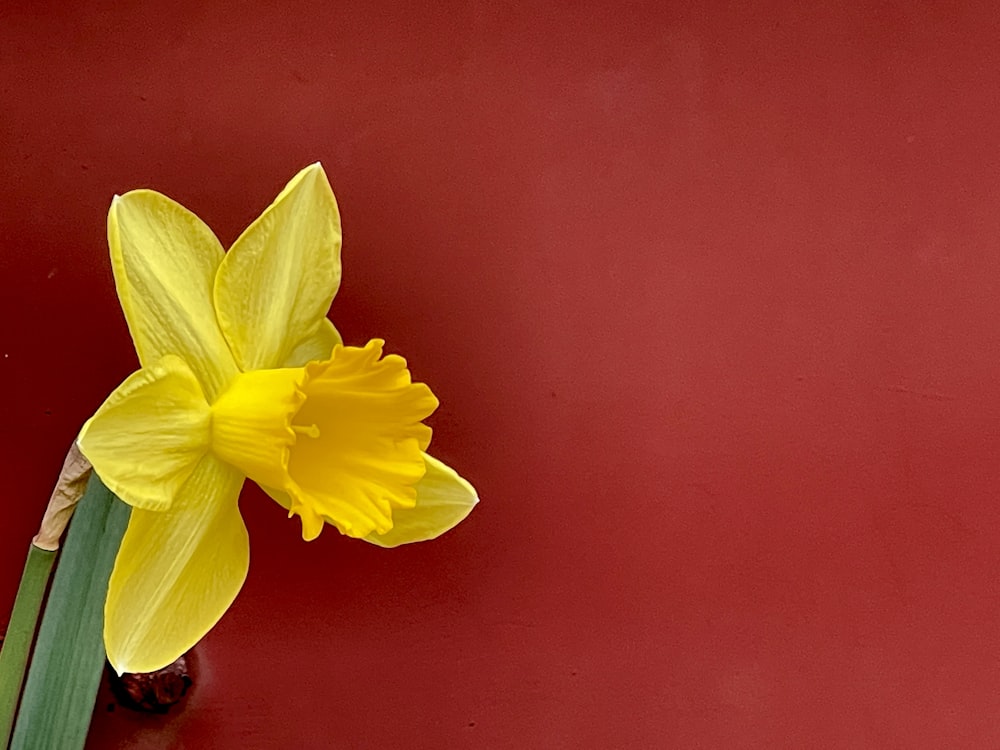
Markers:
(708, 294)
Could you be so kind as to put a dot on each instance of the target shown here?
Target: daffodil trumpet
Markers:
(243, 376)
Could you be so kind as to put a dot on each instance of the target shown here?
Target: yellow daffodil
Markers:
(242, 375)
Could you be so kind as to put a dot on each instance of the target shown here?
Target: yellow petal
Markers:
(443, 500)
(165, 259)
(149, 434)
(177, 572)
(314, 348)
(276, 283)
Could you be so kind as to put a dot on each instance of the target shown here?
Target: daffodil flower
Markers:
(242, 376)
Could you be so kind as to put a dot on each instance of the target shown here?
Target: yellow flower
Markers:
(243, 376)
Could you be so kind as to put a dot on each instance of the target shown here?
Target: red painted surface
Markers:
(710, 299)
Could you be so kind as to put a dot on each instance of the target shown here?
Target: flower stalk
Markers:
(68, 660)
(20, 633)
(42, 553)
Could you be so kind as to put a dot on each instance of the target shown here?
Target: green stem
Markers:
(20, 634)
(65, 671)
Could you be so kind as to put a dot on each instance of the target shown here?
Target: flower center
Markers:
(343, 438)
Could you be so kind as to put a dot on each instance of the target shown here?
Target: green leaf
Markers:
(21, 632)
(66, 668)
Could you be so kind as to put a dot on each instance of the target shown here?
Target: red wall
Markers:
(709, 297)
